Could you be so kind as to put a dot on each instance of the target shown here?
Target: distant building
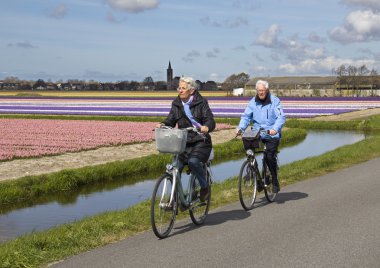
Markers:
(169, 77)
(313, 86)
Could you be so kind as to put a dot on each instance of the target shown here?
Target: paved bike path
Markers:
(328, 221)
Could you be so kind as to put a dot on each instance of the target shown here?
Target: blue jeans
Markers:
(196, 168)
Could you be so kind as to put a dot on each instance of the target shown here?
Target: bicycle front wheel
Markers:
(268, 190)
(199, 210)
(162, 212)
(247, 185)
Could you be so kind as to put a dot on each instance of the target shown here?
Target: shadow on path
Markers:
(214, 219)
(290, 196)
(238, 214)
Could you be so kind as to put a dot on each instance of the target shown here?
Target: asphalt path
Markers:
(327, 221)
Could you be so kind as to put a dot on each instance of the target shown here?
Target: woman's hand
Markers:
(204, 129)
(159, 125)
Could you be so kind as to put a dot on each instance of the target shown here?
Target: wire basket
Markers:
(251, 140)
(171, 141)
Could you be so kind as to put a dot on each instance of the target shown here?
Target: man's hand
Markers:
(159, 125)
(204, 129)
(238, 132)
(272, 132)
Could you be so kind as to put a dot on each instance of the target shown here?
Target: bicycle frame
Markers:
(177, 187)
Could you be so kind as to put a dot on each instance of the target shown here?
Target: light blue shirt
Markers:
(186, 106)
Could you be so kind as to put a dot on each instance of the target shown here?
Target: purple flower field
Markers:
(221, 106)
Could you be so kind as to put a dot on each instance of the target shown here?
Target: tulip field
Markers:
(20, 138)
(159, 106)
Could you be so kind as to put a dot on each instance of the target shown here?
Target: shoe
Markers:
(204, 193)
(276, 189)
(259, 187)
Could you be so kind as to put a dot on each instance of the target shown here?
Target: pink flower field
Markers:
(21, 138)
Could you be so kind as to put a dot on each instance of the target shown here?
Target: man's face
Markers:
(184, 91)
(262, 91)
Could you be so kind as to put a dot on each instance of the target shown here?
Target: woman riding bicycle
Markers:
(265, 111)
(187, 110)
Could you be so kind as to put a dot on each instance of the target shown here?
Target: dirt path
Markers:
(22, 167)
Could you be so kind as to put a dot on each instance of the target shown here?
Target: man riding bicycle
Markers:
(265, 111)
(191, 109)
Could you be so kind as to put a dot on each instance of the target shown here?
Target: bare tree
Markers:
(235, 81)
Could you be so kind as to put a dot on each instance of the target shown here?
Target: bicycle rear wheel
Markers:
(247, 185)
(268, 190)
(199, 210)
(162, 214)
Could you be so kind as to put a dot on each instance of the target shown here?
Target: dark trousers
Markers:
(197, 169)
(272, 146)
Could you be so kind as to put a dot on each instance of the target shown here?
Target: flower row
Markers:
(21, 138)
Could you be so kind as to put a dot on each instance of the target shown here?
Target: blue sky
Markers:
(114, 40)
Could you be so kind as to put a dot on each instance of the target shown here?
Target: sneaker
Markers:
(204, 193)
(276, 189)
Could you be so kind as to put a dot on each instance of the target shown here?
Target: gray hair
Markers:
(190, 81)
(262, 82)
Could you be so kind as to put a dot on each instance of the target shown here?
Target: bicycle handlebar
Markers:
(195, 129)
(261, 130)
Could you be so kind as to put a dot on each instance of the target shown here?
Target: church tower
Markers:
(169, 77)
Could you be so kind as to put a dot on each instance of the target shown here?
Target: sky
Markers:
(125, 40)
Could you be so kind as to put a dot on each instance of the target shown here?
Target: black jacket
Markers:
(202, 114)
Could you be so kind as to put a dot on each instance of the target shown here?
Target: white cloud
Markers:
(269, 38)
(213, 53)
(59, 12)
(315, 38)
(360, 26)
(226, 23)
(321, 66)
(371, 4)
(25, 44)
(214, 77)
(133, 6)
(240, 48)
(191, 55)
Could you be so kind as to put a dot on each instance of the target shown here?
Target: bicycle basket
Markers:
(170, 140)
(251, 140)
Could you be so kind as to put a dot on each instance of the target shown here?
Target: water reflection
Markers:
(118, 195)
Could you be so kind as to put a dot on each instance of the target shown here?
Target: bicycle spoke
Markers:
(268, 190)
(199, 210)
(162, 211)
(247, 185)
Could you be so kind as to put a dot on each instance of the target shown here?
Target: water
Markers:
(47, 215)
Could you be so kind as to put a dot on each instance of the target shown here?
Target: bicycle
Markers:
(169, 195)
(251, 180)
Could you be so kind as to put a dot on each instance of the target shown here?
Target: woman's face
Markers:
(184, 91)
